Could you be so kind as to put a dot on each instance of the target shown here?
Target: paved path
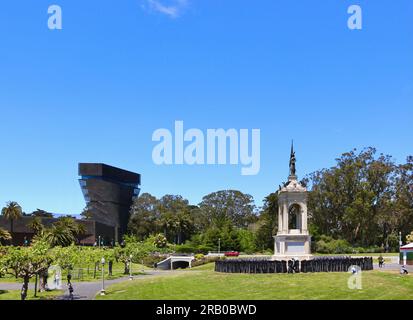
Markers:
(89, 290)
(393, 267)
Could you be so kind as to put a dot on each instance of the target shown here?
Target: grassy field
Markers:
(203, 283)
(15, 295)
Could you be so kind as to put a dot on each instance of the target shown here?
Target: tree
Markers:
(41, 214)
(138, 250)
(228, 206)
(145, 216)
(4, 235)
(267, 223)
(160, 241)
(12, 212)
(36, 225)
(226, 237)
(27, 262)
(67, 257)
(183, 224)
(402, 213)
(409, 238)
(63, 232)
(247, 241)
(87, 213)
(364, 199)
(175, 220)
(70, 224)
(58, 235)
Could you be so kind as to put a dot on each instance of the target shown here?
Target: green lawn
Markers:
(15, 295)
(203, 283)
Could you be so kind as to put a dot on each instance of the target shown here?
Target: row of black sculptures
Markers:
(320, 264)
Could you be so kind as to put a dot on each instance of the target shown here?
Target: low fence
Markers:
(338, 264)
(259, 266)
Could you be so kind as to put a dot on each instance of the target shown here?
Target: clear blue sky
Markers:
(96, 91)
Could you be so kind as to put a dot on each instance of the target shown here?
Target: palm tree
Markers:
(4, 235)
(36, 225)
(58, 235)
(12, 212)
(70, 223)
(183, 223)
(64, 232)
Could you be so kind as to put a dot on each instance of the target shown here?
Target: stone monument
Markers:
(293, 239)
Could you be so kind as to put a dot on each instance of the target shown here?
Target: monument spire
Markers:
(292, 175)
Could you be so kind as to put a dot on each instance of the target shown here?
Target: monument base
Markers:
(290, 257)
(292, 246)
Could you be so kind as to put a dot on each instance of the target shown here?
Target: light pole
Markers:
(219, 246)
(130, 268)
(103, 291)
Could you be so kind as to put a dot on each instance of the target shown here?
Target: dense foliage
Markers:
(365, 199)
(360, 204)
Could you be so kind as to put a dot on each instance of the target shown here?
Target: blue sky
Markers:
(97, 90)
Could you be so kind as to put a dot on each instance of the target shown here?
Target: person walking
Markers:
(71, 290)
(381, 262)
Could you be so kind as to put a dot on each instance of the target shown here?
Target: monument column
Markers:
(280, 220)
(285, 218)
(304, 218)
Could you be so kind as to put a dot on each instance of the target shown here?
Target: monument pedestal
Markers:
(289, 246)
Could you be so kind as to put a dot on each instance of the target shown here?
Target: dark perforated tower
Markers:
(109, 193)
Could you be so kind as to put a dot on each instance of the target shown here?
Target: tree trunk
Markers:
(11, 231)
(25, 288)
(126, 267)
(35, 286)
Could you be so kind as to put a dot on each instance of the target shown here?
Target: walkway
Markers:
(89, 290)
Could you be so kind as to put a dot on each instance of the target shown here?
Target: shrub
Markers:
(199, 256)
(186, 248)
(204, 261)
(191, 248)
(328, 245)
(160, 241)
(149, 261)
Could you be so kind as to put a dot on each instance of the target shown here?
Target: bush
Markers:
(160, 241)
(328, 245)
(149, 261)
(247, 241)
(199, 256)
(185, 248)
(188, 248)
(204, 261)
